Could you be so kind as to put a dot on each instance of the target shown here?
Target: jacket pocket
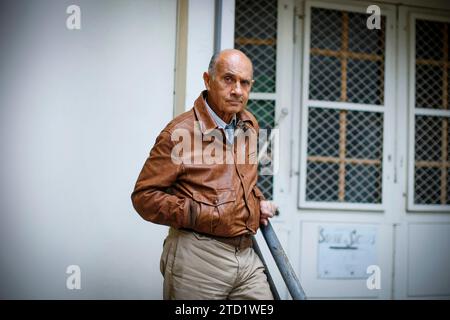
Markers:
(214, 207)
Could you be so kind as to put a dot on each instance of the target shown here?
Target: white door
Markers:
(356, 186)
(422, 243)
(384, 178)
(345, 215)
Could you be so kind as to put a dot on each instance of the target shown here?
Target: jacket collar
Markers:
(207, 123)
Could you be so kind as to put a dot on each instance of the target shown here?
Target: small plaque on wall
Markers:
(345, 252)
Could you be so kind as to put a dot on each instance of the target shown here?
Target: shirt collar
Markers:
(244, 119)
(220, 123)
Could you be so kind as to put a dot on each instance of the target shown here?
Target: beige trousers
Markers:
(197, 267)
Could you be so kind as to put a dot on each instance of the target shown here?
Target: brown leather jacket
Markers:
(217, 199)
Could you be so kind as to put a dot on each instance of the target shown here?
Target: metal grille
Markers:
(255, 35)
(432, 160)
(344, 162)
(432, 133)
(264, 111)
(345, 147)
(346, 58)
(432, 64)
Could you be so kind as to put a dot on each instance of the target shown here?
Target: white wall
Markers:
(79, 112)
(200, 46)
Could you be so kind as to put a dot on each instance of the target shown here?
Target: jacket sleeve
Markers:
(259, 193)
(150, 197)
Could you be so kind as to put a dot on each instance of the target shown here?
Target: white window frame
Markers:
(387, 109)
(413, 111)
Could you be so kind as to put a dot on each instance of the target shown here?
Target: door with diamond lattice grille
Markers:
(347, 144)
(344, 110)
(365, 147)
(375, 143)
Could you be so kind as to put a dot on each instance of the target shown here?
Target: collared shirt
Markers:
(229, 128)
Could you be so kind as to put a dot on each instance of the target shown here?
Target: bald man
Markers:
(200, 179)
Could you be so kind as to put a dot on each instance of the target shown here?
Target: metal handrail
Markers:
(282, 262)
(272, 286)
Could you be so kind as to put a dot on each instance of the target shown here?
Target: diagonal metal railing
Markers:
(282, 262)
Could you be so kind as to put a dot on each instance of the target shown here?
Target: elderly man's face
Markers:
(229, 89)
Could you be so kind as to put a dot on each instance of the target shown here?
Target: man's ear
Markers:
(252, 83)
(206, 79)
